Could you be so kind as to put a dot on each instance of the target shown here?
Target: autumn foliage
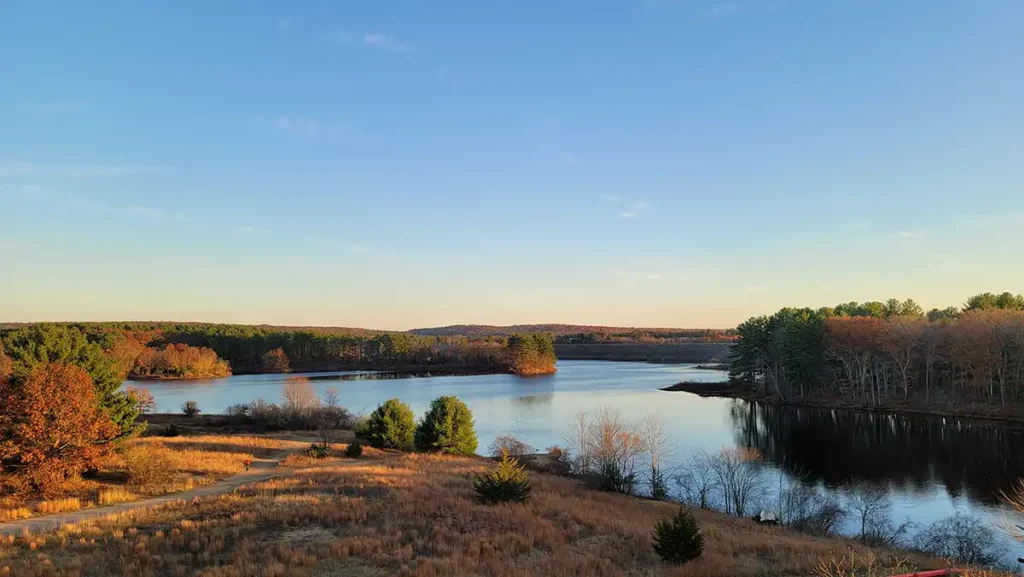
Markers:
(276, 361)
(5, 364)
(532, 354)
(51, 429)
(890, 353)
(179, 361)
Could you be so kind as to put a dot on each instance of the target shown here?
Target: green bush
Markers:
(509, 483)
(390, 426)
(317, 451)
(678, 539)
(447, 428)
(353, 450)
(170, 430)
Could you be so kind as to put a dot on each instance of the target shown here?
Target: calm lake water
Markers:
(933, 467)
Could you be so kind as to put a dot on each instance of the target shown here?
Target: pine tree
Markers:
(509, 483)
(678, 539)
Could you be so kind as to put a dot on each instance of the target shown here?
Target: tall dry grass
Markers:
(151, 466)
(413, 515)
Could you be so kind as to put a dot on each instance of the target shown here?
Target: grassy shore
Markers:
(417, 515)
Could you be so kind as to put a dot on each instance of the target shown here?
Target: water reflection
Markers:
(913, 454)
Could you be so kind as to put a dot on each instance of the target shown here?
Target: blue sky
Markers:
(400, 164)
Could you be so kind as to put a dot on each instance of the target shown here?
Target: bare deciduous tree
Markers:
(696, 481)
(871, 507)
(299, 397)
(737, 472)
(656, 444)
(962, 538)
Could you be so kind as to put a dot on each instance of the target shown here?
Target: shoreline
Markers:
(314, 374)
(728, 390)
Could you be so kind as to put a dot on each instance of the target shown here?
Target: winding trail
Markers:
(261, 470)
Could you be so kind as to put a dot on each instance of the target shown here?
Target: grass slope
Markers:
(413, 515)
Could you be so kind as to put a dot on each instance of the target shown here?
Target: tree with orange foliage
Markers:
(51, 428)
(144, 398)
(180, 361)
(276, 361)
(6, 366)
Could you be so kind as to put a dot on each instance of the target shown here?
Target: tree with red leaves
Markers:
(51, 429)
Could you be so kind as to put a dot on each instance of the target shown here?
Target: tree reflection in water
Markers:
(912, 453)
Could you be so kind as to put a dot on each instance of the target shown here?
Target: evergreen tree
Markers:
(447, 428)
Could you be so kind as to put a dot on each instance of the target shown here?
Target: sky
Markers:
(399, 164)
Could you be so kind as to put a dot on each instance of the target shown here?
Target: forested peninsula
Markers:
(965, 360)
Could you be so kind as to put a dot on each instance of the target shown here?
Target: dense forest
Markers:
(193, 350)
(885, 354)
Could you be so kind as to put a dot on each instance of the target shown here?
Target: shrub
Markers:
(510, 445)
(354, 450)
(559, 461)
(170, 430)
(317, 451)
(51, 428)
(390, 426)
(147, 466)
(610, 477)
(190, 408)
(659, 487)
(240, 412)
(447, 428)
(678, 539)
(509, 483)
(962, 538)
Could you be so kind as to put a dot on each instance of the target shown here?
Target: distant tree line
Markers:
(194, 350)
(567, 334)
(877, 354)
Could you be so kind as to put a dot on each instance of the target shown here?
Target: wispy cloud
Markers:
(45, 107)
(330, 241)
(613, 198)
(907, 234)
(994, 220)
(860, 225)
(297, 124)
(642, 205)
(635, 275)
(386, 42)
(10, 168)
(302, 125)
(156, 213)
(723, 10)
(628, 214)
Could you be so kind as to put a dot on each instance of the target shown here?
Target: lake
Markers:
(932, 466)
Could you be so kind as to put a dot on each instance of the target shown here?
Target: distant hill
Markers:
(585, 333)
(561, 333)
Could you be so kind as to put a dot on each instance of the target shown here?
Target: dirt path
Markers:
(261, 470)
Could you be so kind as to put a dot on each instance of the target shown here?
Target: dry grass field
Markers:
(151, 466)
(417, 515)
